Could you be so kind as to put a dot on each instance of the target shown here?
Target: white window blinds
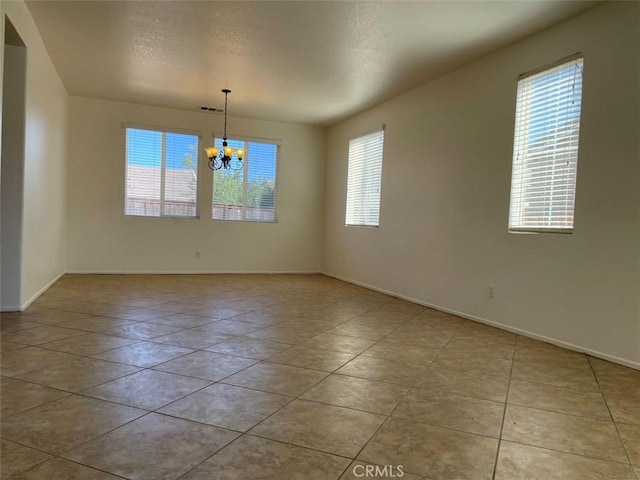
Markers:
(161, 174)
(545, 151)
(248, 194)
(364, 180)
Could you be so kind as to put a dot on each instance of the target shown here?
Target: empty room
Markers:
(320, 240)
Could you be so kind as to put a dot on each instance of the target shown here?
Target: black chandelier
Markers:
(224, 157)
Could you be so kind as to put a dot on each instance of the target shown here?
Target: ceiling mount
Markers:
(204, 108)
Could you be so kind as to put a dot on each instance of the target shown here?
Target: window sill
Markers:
(163, 216)
(244, 221)
(541, 230)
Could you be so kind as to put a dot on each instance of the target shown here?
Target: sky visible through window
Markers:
(260, 152)
(161, 173)
(565, 114)
(247, 194)
(178, 145)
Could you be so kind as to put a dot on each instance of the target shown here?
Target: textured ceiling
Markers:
(310, 62)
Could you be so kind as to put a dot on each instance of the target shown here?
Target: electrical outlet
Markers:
(491, 291)
(197, 254)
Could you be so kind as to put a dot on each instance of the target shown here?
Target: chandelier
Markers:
(224, 157)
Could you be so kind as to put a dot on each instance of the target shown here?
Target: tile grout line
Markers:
(571, 454)
(504, 412)
(298, 397)
(389, 416)
(276, 291)
(147, 412)
(613, 420)
(428, 367)
(247, 433)
(60, 455)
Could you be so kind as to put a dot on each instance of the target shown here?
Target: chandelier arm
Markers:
(239, 165)
(214, 164)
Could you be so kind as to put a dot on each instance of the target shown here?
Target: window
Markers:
(161, 174)
(364, 180)
(545, 150)
(248, 194)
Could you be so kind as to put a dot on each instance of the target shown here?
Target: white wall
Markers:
(102, 239)
(2, 20)
(13, 127)
(445, 196)
(44, 201)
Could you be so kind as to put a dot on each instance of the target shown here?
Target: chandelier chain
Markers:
(225, 114)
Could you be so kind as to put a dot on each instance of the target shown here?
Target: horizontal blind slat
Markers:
(161, 173)
(545, 151)
(364, 178)
(247, 196)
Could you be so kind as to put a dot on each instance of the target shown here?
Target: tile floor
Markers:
(295, 377)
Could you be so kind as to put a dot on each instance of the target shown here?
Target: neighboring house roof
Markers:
(144, 183)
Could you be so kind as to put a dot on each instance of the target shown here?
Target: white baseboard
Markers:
(26, 304)
(519, 331)
(502, 326)
(189, 272)
(10, 308)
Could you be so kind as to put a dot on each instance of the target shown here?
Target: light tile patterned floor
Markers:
(288, 377)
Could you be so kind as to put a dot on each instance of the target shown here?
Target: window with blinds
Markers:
(161, 173)
(248, 194)
(364, 180)
(545, 151)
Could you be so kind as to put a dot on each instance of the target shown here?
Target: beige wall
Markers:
(12, 167)
(102, 239)
(442, 239)
(44, 202)
(445, 195)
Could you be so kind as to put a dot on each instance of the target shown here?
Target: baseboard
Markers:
(502, 326)
(10, 308)
(26, 304)
(189, 272)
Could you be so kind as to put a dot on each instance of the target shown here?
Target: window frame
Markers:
(520, 229)
(163, 130)
(378, 130)
(245, 168)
